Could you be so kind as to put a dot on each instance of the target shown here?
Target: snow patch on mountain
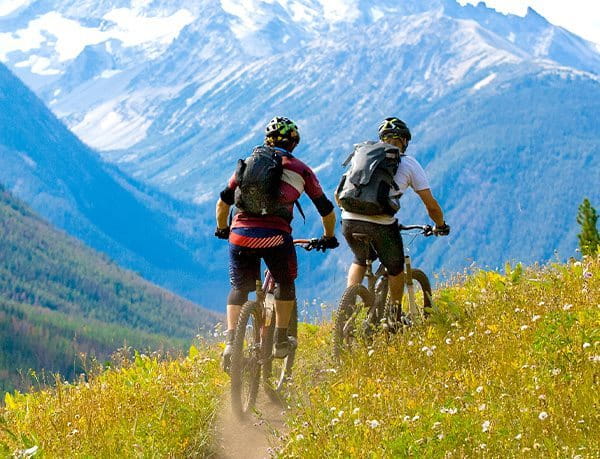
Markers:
(487, 80)
(38, 65)
(10, 6)
(109, 126)
(66, 38)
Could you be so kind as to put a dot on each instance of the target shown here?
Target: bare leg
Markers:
(233, 313)
(284, 312)
(356, 273)
(396, 286)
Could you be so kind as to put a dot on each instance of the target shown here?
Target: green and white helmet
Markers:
(395, 128)
(281, 128)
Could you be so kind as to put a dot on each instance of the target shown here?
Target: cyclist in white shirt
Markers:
(383, 229)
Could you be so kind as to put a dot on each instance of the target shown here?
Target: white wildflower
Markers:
(410, 343)
(449, 410)
(543, 415)
(354, 396)
(373, 424)
(524, 327)
(595, 358)
(371, 352)
(448, 341)
(482, 446)
(485, 427)
(332, 409)
(556, 371)
(299, 437)
(479, 389)
(482, 407)
(535, 318)
(356, 422)
(355, 410)
(416, 417)
(334, 421)
(378, 395)
(586, 345)
(541, 303)
(462, 338)
(436, 425)
(471, 333)
(440, 436)
(340, 413)
(567, 306)
(488, 332)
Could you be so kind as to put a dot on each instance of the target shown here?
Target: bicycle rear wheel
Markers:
(353, 321)
(277, 373)
(422, 294)
(246, 360)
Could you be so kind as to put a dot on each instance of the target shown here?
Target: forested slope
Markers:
(59, 298)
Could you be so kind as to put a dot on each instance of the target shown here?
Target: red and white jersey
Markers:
(297, 178)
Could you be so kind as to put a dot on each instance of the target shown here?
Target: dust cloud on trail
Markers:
(254, 438)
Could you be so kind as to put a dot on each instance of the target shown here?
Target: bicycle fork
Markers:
(413, 311)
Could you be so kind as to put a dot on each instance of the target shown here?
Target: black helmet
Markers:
(395, 128)
(282, 129)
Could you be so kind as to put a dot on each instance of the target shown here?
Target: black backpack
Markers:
(259, 178)
(365, 187)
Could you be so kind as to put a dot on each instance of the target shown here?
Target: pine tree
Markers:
(589, 239)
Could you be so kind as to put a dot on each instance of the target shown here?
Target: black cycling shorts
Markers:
(386, 241)
(244, 264)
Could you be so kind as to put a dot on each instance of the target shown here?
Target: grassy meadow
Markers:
(507, 366)
(143, 407)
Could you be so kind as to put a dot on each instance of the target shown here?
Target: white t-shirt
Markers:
(409, 174)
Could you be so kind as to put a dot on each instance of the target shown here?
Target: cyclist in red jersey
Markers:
(254, 237)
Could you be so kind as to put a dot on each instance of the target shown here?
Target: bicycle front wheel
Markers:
(353, 321)
(421, 294)
(246, 360)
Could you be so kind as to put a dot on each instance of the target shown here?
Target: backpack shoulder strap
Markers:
(299, 207)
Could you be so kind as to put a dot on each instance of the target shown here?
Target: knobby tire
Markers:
(245, 360)
(346, 332)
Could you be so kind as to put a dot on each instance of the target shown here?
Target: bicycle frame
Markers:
(415, 313)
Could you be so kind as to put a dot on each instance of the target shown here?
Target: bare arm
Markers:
(222, 213)
(433, 208)
(329, 224)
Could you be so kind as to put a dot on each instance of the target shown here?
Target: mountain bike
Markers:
(253, 346)
(363, 309)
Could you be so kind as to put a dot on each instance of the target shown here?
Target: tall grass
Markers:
(145, 407)
(507, 366)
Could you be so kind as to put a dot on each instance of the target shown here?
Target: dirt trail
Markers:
(253, 438)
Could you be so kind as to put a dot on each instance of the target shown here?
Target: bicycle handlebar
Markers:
(426, 230)
(307, 244)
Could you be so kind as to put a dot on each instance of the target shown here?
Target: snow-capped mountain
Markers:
(173, 92)
(164, 87)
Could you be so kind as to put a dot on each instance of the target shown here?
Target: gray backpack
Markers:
(365, 187)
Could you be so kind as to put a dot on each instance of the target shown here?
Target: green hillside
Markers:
(506, 367)
(59, 299)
